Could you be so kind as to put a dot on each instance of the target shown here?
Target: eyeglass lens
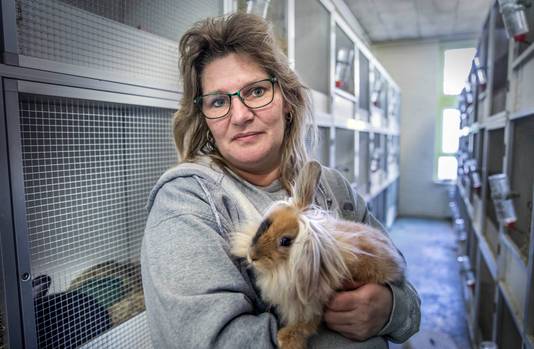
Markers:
(255, 95)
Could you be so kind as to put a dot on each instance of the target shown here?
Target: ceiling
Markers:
(392, 20)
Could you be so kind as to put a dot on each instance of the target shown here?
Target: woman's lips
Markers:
(249, 136)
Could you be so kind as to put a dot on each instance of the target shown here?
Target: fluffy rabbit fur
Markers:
(301, 255)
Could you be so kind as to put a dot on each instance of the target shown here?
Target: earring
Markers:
(289, 121)
(209, 138)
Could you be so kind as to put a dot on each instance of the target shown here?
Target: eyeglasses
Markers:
(255, 95)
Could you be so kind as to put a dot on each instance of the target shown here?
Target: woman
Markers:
(240, 133)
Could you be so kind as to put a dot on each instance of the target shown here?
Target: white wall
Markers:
(416, 67)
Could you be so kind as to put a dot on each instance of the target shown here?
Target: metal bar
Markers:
(529, 306)
(8, 20)
(73, 92)
(36, 75)
(22, 246)
(7, 239)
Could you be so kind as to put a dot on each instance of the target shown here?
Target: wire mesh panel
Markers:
(166, 18)
(88, 168)
(134, 39)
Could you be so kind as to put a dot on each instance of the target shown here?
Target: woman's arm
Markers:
(196, 296)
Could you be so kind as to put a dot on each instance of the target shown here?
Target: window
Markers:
(456, 65)
(450, 130)
(450, 135)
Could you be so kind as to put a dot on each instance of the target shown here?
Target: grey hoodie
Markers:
(199, 296)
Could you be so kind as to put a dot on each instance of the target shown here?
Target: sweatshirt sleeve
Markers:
(195, 293)
(405, 315)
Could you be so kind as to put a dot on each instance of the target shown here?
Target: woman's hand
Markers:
(360, 311)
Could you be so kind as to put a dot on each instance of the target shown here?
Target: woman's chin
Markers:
(252, 158)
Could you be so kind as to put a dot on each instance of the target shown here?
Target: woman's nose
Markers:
(239, 112)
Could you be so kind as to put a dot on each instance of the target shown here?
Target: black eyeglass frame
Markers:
(198, 100)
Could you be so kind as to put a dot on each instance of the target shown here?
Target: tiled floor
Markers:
(429, 248)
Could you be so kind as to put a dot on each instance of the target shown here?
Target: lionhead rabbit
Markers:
(301, 255)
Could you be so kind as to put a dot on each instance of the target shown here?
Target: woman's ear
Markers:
(286, 108)
(306, 184)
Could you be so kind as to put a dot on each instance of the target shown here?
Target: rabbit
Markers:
(302, 254)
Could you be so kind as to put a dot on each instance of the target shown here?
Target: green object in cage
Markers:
(105, 290)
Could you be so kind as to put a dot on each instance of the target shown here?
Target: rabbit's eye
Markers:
(285, 241)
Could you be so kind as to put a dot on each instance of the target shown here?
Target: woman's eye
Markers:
(257, 92)
(218, 102)
(285, 241)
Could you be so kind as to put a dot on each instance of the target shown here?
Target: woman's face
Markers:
(249, 139)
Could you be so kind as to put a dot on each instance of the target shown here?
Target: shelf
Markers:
(486, 289)
(467, 204)
(346, 95)
(469, 304)
(384, 185)
(322, 149)
(495, 121)
(521, 87)
(350, 123)
(522, 180)
(518, 322)
(513, 275)
(509, 327)
(475, 127)
(343, 108)
(363, 114)
(320, 102)
(498, 131)
(359, 125)
(487, 255)
(528, 112)
(510, 245)
(323, 119)
(522, 58)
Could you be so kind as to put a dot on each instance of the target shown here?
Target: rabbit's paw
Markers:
(291, 338)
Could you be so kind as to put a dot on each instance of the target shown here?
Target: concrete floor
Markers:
(430, 251)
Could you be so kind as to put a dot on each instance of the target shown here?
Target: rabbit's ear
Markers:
(306, 184)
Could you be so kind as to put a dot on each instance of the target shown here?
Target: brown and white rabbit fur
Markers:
(301, 255)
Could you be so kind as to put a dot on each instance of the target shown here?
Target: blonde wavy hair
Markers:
(249, 35)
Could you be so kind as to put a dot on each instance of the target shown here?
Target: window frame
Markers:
(445, 102)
